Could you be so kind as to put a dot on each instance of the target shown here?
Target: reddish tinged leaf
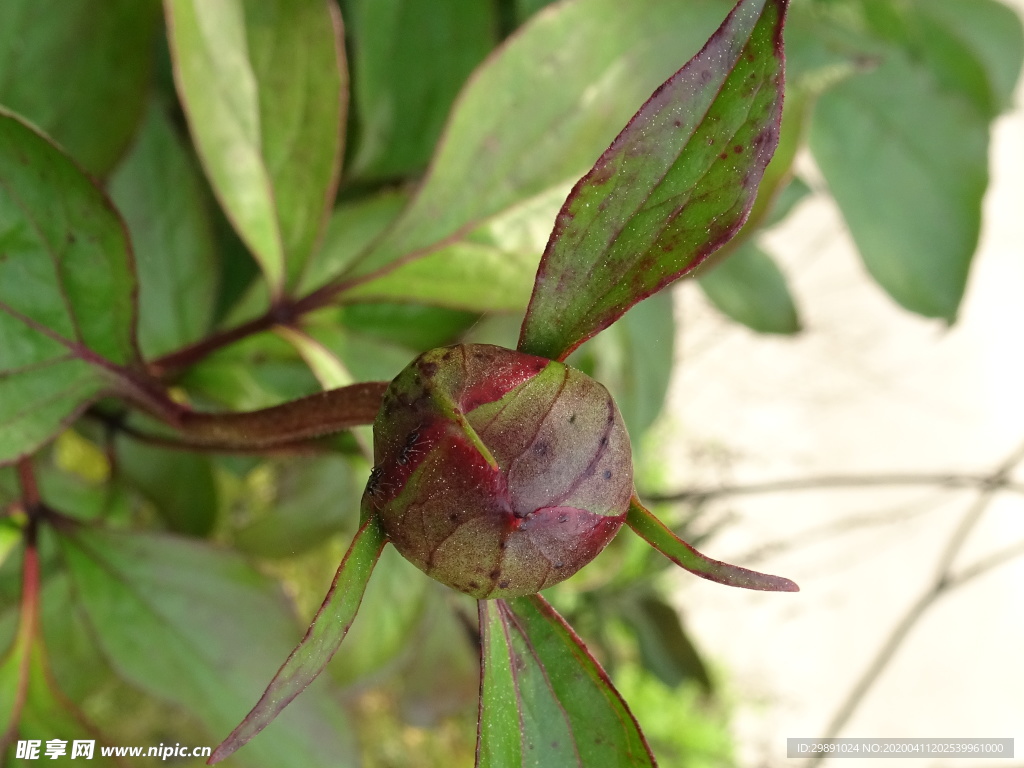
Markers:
(566, 711)
(675, 185)
(67, 291)
(655, 532)
(322, 640)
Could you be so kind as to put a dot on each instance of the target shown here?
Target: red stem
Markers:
(285, 425)
(28, 623)
(30, 497)
(193, 353)
(284, 312)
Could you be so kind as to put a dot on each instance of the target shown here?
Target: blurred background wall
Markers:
(866, 389)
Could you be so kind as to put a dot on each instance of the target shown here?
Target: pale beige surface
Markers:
(866, 388)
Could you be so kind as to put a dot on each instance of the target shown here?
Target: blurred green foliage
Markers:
(163, 623)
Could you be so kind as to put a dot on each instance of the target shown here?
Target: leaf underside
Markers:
(158, 190)
(512, 140)
(263, 85)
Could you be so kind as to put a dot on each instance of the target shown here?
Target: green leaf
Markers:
(633, 359)
(442, 675)
(538, 112)
(322, 639)
(524, 9)
(263, 85)
(411, 326)
(490, 269)
(10, 532)
(352, 227)
(665, 648)
(364, 357)
(499, 330)
(67, 312)
(544, 700)
(66, 491)
(993, 32)
(78, 498)
(907, 163)
(77, 666)
(198, 627)
(322, 362)
(787, 198)
(975, 47)
(47, 713)
(239, 272)
(22, 620)
(683, 727)
(31, 704)
(179, 484)
(351, 230)
(751, 289)
(466, 276)
(409, 60)
(11, 567)
(9, 491)
(654, 532)
(315, 498)
(394, 605)
(79, 69)
(160, 193)
(258, 372)
(676, 184)
(778, 191)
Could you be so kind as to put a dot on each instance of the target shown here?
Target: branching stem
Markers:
(942, 583)
(940, 479)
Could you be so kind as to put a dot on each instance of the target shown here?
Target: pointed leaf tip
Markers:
(657, 534)
(322, 639)
(675, 185)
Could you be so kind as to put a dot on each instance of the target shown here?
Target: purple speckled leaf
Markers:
(675, 185)
(544, 700)
(655, 533)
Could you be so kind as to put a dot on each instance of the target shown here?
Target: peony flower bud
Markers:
(496, 472)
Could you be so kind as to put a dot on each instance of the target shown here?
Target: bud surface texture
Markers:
(496, 472)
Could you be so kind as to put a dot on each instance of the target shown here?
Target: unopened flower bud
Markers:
(496, 472)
